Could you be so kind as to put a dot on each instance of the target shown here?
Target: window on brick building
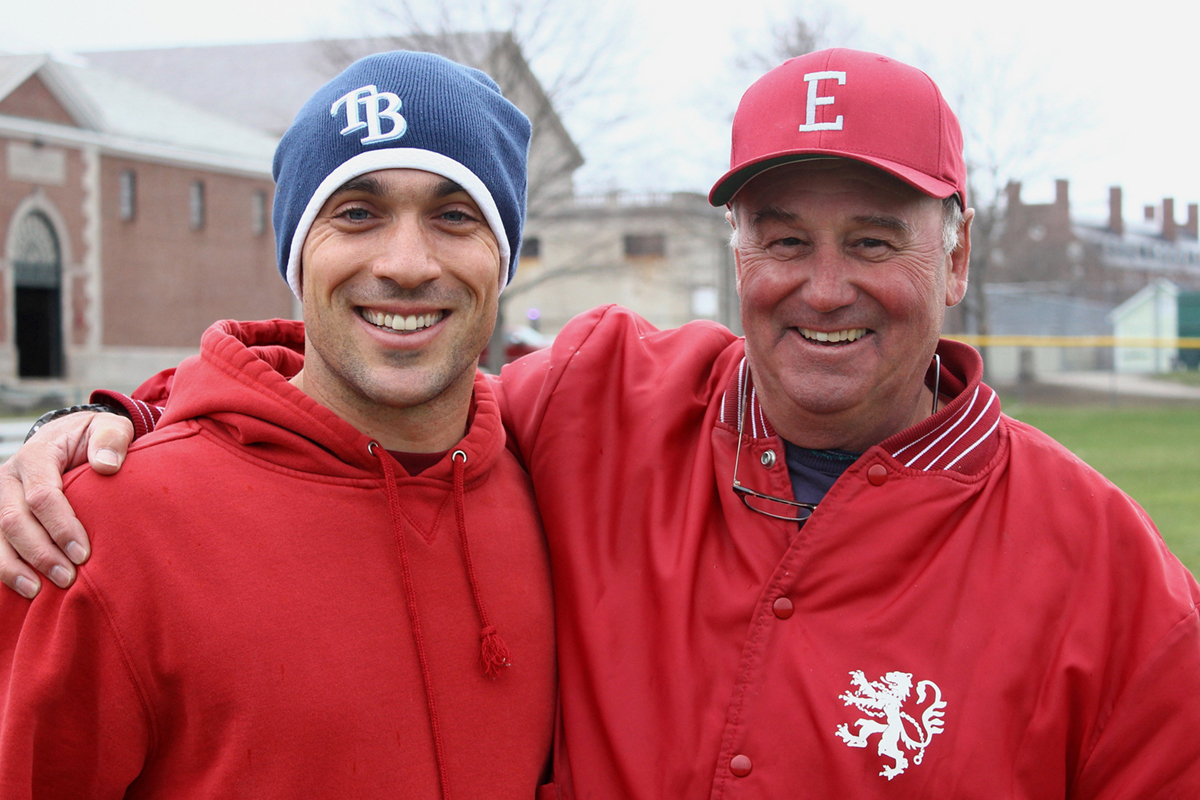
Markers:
(531, 247)
(127, 191)
(645, 244)
(258, 212)
(196, 208)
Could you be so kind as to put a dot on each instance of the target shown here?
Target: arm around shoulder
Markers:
(39, 527)
(40, 532)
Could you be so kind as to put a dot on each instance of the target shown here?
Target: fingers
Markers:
(26, 543)
(108, 441)
(36, 520)
(14, 572)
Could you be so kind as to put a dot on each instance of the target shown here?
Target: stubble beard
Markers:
(402, 380)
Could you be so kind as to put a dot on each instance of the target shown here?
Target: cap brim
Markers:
(732, 182)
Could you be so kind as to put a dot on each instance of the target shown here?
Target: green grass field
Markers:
(1153, 453)
(1181, 377)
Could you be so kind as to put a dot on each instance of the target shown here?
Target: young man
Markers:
(365, 658)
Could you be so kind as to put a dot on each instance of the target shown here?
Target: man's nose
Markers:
(407, 256)
(829, 285)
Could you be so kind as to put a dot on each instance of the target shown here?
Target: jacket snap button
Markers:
(783, 607)
(877, 474)
(740, 765)
(768, 458)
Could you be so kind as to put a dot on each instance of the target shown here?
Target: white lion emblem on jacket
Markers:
(884, 701)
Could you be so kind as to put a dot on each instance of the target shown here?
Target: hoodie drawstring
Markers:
(492, 650)
(414, 618)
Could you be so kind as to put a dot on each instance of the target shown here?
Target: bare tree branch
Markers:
(808, 27)
(568, 45)
(1012, 129)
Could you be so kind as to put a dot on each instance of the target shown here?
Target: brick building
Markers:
(129, 221)
(1048, 272)
(1102, 260)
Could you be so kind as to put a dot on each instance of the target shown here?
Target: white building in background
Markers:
(664, 255)
(1152, 313)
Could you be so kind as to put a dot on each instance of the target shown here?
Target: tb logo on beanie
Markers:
(370, 98)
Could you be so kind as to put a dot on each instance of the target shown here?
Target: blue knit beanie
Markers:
(403, 110)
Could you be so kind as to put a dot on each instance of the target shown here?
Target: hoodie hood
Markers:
(237, 388)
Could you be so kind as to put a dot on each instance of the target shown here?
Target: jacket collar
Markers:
(961, 437)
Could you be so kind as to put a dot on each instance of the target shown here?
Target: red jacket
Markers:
(244, 630)
(971, 612)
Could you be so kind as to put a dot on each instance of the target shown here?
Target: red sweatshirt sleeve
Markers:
(72, 723)
(146, 405)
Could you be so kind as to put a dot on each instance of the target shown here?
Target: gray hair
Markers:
(952, 223)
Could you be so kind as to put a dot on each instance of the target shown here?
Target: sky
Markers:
(1044, 91)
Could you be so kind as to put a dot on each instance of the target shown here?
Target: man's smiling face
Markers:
(844, 282)
(401, 279)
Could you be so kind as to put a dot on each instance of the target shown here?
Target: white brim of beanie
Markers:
(398, 158)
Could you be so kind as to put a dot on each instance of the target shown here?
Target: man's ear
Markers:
(958, 262)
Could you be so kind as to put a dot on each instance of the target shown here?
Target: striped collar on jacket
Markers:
(961, 437)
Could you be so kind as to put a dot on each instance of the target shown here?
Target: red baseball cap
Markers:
(847, 104)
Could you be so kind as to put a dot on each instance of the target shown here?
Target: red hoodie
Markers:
(345, 663)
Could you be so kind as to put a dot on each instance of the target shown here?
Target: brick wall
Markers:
(33, 100)
(164, 282)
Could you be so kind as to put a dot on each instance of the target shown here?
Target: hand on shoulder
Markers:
(38, 528)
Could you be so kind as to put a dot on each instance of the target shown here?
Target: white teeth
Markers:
(848, 335)
(399, 322)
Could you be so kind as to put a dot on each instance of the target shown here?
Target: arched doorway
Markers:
(37, 301)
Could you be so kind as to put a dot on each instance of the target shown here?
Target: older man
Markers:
(820, 562)
(364, 658)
